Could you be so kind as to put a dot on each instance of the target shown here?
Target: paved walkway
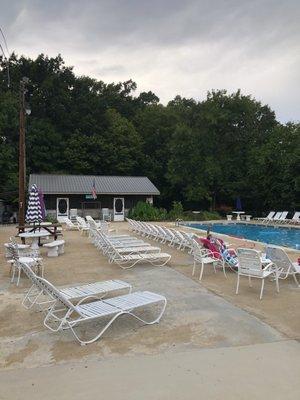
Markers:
(255, 372)
(205, 346)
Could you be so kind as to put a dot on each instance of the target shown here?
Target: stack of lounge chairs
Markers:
(173, 237)
(125, 250)
(280, 217)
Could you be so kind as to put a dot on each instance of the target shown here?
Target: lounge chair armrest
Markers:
(268, 266)
(91, 297)
(215, 254)
(205, 252)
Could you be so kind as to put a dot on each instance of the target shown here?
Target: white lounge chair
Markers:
(275, 218)
(99, 290)
(102, 241)
(65, 315)
(267, 218)
(70, 226)
(187, 239)
(284, 265)
(282, 219)
(250, 265)
(83, 227)
(134, 257)
(296, 218)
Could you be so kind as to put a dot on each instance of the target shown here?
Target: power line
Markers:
(5, 58)
(5, 42)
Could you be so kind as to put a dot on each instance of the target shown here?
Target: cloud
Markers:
(170, 47)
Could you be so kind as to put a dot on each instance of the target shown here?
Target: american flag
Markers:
(94, 194)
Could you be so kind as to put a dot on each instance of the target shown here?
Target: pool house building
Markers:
(99, 196)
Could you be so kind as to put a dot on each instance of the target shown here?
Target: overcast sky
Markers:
(170, 46)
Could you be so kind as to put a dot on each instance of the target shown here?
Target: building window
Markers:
(149, 200)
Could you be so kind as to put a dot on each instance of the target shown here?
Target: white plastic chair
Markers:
(250, 265)
(284, 265)
(204, 257)
(29, 256)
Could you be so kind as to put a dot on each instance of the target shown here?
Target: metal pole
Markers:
(22, 156)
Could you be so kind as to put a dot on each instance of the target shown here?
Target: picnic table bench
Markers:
(55, 248)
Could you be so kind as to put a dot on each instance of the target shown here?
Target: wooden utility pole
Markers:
(22, 155)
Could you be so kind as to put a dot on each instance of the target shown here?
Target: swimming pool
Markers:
(289, 237)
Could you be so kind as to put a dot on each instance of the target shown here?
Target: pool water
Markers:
(289, 237)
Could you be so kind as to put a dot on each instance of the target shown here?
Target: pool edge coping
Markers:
(228, 236)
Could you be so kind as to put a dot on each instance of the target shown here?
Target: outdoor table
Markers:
(238, 214)
(35, 238)
(52, 229)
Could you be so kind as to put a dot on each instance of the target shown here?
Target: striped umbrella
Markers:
(34, 209)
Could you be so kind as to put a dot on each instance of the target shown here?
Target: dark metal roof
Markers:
(82, 184)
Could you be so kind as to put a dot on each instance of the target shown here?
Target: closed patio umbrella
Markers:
(238, 204)
(34, 209)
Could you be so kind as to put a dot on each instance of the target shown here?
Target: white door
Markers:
(62, 208)
(119, 209)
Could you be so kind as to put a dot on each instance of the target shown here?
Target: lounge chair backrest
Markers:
(112, 248)
(283, 215)
(104, 226)
(279, 257)
(82, 222)
(196, 246)
(91, 223)
(296, 216)
(51, 290)
(277, 215)
(270, 215)
(190, 238)
(28, 272)
(249, 262)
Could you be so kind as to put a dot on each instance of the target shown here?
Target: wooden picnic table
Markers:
(51, 229)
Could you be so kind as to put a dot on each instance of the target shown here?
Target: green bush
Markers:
(146, 212)
(202, 216)
(50, 218)
(176, 211)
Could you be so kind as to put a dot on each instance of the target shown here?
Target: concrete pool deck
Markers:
(209, 342)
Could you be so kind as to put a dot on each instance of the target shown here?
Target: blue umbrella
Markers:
(238, 204)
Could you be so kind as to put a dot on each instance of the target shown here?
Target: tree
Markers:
(202, 153)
